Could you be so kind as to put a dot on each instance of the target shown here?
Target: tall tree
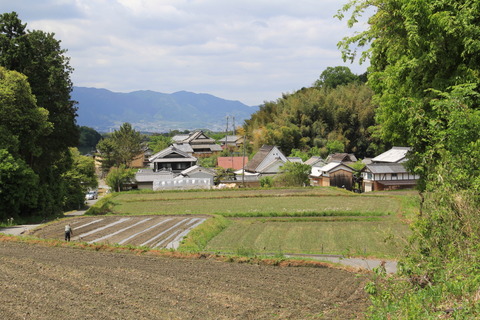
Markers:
(39, 56)
(128, 144)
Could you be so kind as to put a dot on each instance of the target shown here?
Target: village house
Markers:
(171, 159)
(196, 144)
(387, 172)
(333, 174)
(235, 163)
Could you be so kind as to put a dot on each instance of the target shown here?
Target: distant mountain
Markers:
(152, 111)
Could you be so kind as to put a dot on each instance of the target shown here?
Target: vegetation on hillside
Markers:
(425, 74)
(319, 120)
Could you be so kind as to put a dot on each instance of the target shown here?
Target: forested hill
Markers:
(319, 120)
(102, 110)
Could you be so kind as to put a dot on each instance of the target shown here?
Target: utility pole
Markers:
(243, 159)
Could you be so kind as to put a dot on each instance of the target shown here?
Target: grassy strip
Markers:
(280, 262)
(198, 238)
(383, 238)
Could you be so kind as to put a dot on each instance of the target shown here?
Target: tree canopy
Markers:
(38, 120)
(328, 119)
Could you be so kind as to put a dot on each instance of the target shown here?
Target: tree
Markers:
(89, 139)
(18, 187)
(159, 142)
(39, 56)
(333, 77)
(117, 178)
(79, 179)
(127, 143)
(22, 123)
(294, 174)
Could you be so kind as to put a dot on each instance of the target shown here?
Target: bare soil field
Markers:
(40, 282)
(150, 231)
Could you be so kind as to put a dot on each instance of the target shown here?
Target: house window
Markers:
(394, 176)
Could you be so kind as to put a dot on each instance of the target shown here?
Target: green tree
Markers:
(18, 187)
(117, 178)
(294, 174)
(158, 142)
(128, 144)
(79, 179)
(333, 77)
(89, 139)
(39, 56)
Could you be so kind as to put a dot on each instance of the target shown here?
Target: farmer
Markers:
(68, 232)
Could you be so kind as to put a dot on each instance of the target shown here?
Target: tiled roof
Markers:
(183, 147)
(159, 156)
(196, 168)
(231, 162)
(146, 175)
(313, 160)
(386, 168)
(341, 157)
(258, 158)
(396, 154)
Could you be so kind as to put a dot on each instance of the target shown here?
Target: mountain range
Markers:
(150, 111)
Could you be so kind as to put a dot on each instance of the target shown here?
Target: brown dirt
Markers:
(137, 229)
(40, 282)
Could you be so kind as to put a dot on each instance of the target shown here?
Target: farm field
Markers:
(52, 282)
(358, 236)
(275, 202)
(150, 231)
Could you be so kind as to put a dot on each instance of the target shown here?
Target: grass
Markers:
(270, 221)
(254, 203)
(381, 237)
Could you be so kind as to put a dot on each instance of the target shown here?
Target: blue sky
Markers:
(248, 50)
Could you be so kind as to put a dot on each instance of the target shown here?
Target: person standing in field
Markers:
(68, 232)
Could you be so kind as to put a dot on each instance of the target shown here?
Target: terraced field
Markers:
(151, 231)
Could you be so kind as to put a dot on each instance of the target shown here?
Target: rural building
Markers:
(198, 172)
(334, 174)
(341, 157)
(316, 161)
(231, 141)
(195, 177)
(197, 144)
(387, 172)
(235, 163)
(267, 161)
(171, 159)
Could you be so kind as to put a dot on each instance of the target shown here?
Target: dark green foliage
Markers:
(323, 118)
(38, 55)
(18, 187)
(89, 139)
(79, 179)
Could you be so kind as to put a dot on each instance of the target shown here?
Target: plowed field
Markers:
(41, 282)
(151, 231)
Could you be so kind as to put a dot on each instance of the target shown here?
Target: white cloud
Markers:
(249, 50)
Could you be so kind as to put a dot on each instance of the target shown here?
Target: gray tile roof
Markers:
(258, 158)
(160, 156)
(396, 154)
(385, 168)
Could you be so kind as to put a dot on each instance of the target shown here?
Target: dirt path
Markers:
(54, 283)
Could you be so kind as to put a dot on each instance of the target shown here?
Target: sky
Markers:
(252, 51)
